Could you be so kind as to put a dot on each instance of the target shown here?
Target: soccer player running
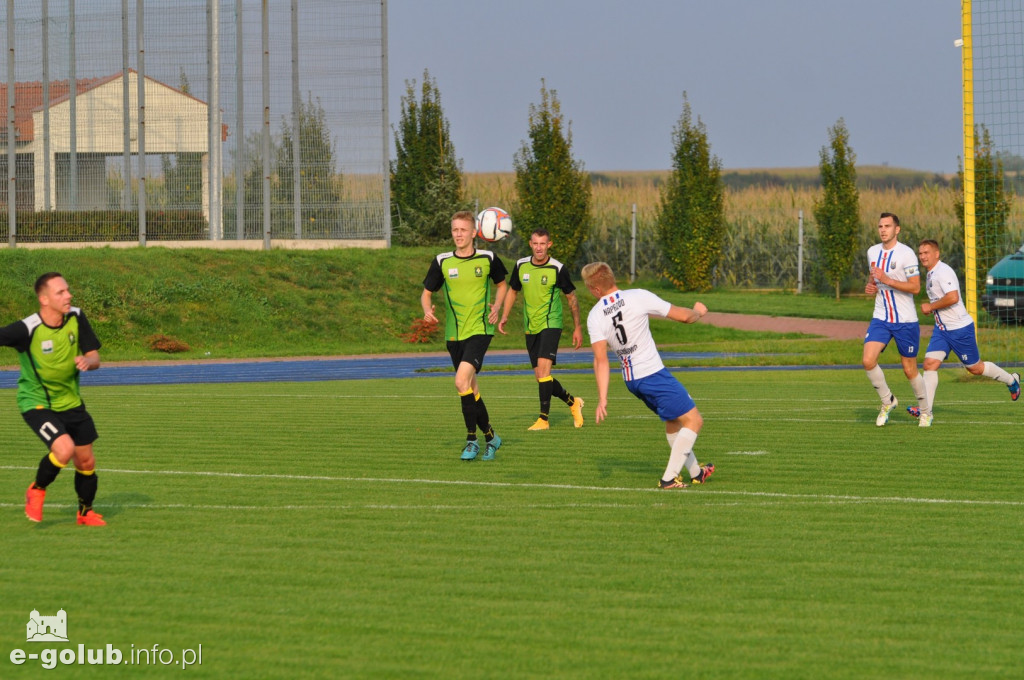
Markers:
(954, 332)
(467, 276)
(54, 346)
(619, 321)
(541, 277)
(894, 281)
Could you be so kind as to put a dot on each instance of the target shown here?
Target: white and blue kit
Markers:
(954, 327)
(895, 317)
(621, 319)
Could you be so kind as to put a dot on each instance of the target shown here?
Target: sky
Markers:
(768, 78)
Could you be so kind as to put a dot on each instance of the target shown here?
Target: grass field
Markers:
(329, 530)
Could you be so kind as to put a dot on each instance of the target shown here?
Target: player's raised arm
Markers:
(686, 315)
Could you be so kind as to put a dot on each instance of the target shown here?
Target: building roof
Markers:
(28, 98)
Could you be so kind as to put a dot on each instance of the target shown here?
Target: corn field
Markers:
(761, 242)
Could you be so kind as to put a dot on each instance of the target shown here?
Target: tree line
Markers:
(553, 191)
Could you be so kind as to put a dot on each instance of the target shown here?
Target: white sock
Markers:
(920, 391)
(681, 448)
(931, 383)
(691, 465)
(877, 378)
(996, 373)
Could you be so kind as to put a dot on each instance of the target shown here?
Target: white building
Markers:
(175, 123)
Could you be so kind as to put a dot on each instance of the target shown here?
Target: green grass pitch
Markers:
(329, 530)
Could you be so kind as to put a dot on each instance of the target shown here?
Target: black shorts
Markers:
(471, 350)
(49, 425)
(543, 345)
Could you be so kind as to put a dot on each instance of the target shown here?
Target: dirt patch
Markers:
(828, 328)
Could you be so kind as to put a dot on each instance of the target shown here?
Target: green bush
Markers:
(107, 225)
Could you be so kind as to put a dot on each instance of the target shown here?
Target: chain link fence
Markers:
(202, 120)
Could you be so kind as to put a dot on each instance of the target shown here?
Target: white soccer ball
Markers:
(493, 224)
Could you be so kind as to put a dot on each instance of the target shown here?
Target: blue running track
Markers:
(309, 370)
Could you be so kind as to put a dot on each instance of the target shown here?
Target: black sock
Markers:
(558, 391)
(545, 388)
(85, 487)
(46, 473)
(483, 420)
(469, 415)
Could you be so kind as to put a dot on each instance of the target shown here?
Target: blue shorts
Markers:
(962, 342)
(906, 335)
(663, 394)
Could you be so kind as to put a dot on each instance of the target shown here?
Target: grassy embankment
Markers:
(234, 304)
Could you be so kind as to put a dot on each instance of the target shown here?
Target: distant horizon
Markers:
(781, 168)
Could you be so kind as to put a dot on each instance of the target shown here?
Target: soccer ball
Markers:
(493, 224)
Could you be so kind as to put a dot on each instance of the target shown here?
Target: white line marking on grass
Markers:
(341, 506)
(746, 453)
(825, 498)
(910, 421)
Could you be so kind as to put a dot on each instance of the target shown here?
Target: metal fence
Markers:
(993, 167)
(200, 120)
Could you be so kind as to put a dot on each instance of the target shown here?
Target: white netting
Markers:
(79, 176)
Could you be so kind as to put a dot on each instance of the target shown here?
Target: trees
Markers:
(252, 184)
(553, 190)
(426, 177)
(319, 186)
(183, 172)
(691, 218)
(991, 202)
(837, 212)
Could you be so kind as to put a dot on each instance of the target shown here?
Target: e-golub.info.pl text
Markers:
(110, 656)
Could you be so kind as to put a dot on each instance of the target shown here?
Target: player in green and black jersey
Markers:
(542, 278)
(467, 276)
(54, 346)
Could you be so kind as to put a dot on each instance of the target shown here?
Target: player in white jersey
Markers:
(894, 281)
(954, 331)
(620, 322)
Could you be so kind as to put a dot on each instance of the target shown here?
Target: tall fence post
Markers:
(632, 249)
(266, 124)
(126, 115)
(140, 77)
(47, 184)
(72, 108)
(385, 140)
(239, 125)
(800, 253)
(11, 153)
(296, 126)
(213, 156)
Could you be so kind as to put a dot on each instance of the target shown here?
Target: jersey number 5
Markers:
(620, 330)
